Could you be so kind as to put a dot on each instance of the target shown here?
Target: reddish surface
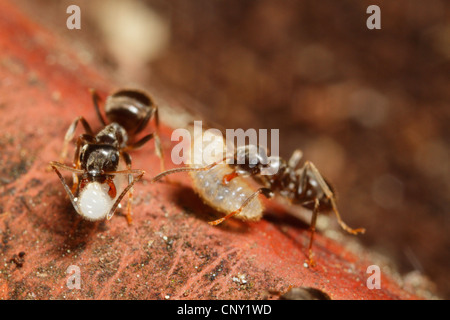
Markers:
(170, 250)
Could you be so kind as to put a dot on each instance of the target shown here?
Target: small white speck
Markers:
(75, 199)
(305, 265)
(120, 205)
(167, 297)
(240, 279)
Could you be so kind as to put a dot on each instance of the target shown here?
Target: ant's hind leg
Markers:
(310, 167)
(265, 191)
(155, 136)
(139, 143)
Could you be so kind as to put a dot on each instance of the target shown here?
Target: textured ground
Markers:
(170, 252)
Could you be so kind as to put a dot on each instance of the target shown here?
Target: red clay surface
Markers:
(169, 252)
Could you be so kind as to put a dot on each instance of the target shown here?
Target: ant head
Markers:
(96, 159)
(250, 160)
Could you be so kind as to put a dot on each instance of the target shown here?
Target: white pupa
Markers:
(93, 201)
(208, 184)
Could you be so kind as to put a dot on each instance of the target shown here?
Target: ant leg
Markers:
(265, 191)
(129, 172)
(127, 159)
(65, 167)
(183, 169)
(76, 159)
(139, 143)
(295, 158)
(312, 229)
(228, 177)
(154, 135)
(95, 100)
(158, 147)
(310, 167)
(55, 166)
(70, 134)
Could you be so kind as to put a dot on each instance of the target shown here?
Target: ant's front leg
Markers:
(127, 159)
(128, 172)
(55, 165)
(83, 139)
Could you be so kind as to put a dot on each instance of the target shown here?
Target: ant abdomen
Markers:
(131, 109)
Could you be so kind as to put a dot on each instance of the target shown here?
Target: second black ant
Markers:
(300, 185)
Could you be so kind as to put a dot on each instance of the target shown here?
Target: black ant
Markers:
(303, 186)
(97, 156)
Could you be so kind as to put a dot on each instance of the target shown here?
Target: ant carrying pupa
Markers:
(97, 157)
(221, 184)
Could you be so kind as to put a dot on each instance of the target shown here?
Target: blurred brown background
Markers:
(369, 107)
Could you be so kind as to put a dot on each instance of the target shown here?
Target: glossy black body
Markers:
(298, 185)
(97, 156)
(130, 109)
(128, 112)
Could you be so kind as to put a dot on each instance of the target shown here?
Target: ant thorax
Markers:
(113, 134)
(225, 198)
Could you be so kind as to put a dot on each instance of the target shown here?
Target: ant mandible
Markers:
(302, 186)
(97, 156)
